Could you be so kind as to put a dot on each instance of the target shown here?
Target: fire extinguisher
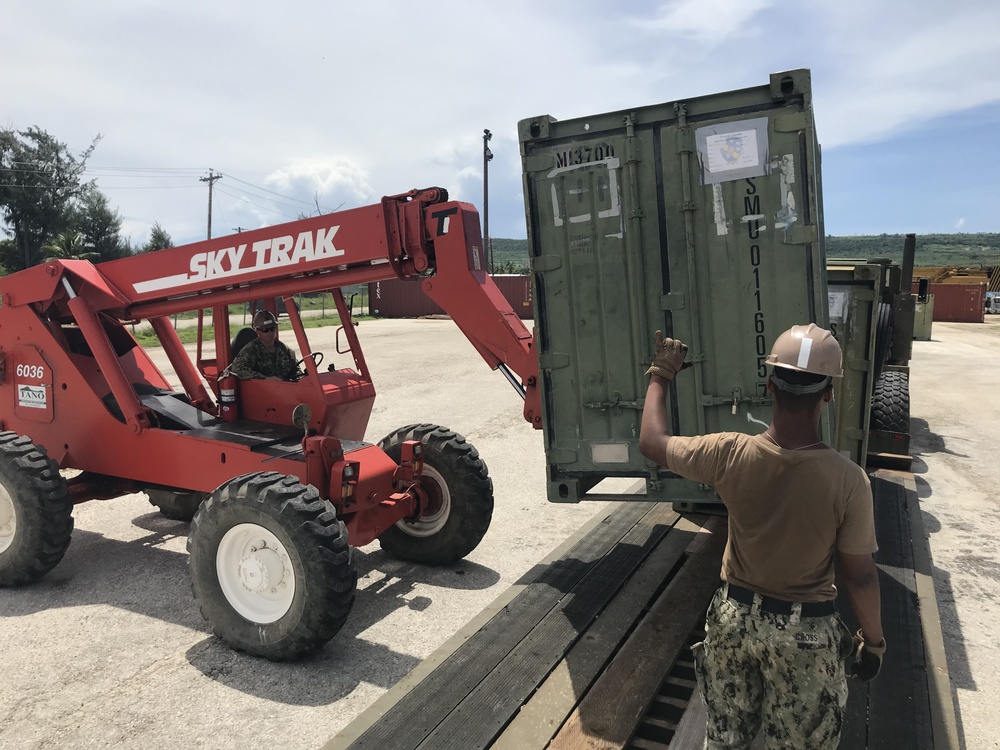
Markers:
(229, 410)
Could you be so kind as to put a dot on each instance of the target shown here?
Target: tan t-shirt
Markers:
(788, 510)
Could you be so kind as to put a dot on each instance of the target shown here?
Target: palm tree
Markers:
(69, 245)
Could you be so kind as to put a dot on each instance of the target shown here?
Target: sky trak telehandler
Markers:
(275, 476)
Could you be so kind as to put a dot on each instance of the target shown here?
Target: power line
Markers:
(264, 198)
(265, 190)
(245, 199)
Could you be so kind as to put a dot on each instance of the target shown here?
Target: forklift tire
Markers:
(36, 513)
(891, 403)
(177, 506)
(270, 566)
(460, 498)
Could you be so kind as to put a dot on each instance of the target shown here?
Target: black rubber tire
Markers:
(883, 337)
(460, 494)
(891, 403)
(42, 522)
(318, 555)
(177, 506)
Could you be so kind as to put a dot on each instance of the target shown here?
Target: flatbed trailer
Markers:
(591, 648)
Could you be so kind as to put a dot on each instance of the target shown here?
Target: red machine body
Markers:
(74, 380)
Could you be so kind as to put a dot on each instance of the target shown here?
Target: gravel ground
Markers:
(109, 649)
(955, 419)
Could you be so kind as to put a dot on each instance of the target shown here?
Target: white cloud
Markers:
(959, 224)
(354, 101)
(708, 21)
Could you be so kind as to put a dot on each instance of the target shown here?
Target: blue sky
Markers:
(313, 102)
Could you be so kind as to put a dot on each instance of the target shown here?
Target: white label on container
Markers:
(609, 453)
(838, 304)
(728, 151)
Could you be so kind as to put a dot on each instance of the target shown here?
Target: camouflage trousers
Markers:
(775, 674)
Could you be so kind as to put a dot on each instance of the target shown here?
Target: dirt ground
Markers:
(109, 649)
(955, 417)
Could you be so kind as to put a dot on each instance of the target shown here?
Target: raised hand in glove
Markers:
(668, 357)
(867, 659)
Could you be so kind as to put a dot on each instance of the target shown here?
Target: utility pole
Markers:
(211, 180)
(487, 157)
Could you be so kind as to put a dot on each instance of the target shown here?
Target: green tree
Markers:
(158, 239)
(99, 224)
(70, 245)
(39, 181)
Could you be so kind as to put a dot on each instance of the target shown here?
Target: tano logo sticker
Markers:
(32, 396)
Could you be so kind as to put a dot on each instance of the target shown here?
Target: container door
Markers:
(700, 218)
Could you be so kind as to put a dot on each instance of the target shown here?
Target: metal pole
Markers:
(211, 180)
(487, 156)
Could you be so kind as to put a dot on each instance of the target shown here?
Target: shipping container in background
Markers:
(404, 298)
(701, 218)
(956, 303)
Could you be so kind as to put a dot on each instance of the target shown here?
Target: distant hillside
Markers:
(933, 250)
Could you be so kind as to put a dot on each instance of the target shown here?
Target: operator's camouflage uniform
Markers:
(801, 663)
(254, 362)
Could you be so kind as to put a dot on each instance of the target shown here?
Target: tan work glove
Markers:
(867, 659)
(668, 357)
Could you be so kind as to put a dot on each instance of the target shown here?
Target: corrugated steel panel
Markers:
(700, 218)
(400, 298)
(403, 298)
(957, 303)
(517, 291)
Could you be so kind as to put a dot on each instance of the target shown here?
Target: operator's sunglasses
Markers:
(267, 329)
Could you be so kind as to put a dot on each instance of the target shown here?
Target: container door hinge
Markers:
(672, 301)
(792, 123)
(560, 456)
(553, 361)
(799, 234)
(543, 263)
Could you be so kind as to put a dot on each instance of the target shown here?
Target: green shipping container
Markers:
(701, 218)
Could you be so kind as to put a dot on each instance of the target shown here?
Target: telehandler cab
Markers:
(275, 476)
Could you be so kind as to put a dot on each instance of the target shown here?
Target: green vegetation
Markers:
(317, 310)
(933, 250)
(188, 334)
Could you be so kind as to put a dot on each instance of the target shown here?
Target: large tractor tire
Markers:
(270, 566)
(891, 403)
(883, 337)
(459, 498)
(36, 513)
(177, 506)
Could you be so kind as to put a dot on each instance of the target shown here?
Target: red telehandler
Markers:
(275, 476)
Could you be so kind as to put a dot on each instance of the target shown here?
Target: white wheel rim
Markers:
(255, 574)
(432, 524)
(8, 519)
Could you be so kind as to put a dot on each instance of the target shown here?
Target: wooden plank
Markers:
(943, 719)
(417, 712)
(488, 708)
(540, 718)
(690, 732)
(899, 709)
(608, 714)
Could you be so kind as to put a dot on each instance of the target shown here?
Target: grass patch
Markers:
(146, 337)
